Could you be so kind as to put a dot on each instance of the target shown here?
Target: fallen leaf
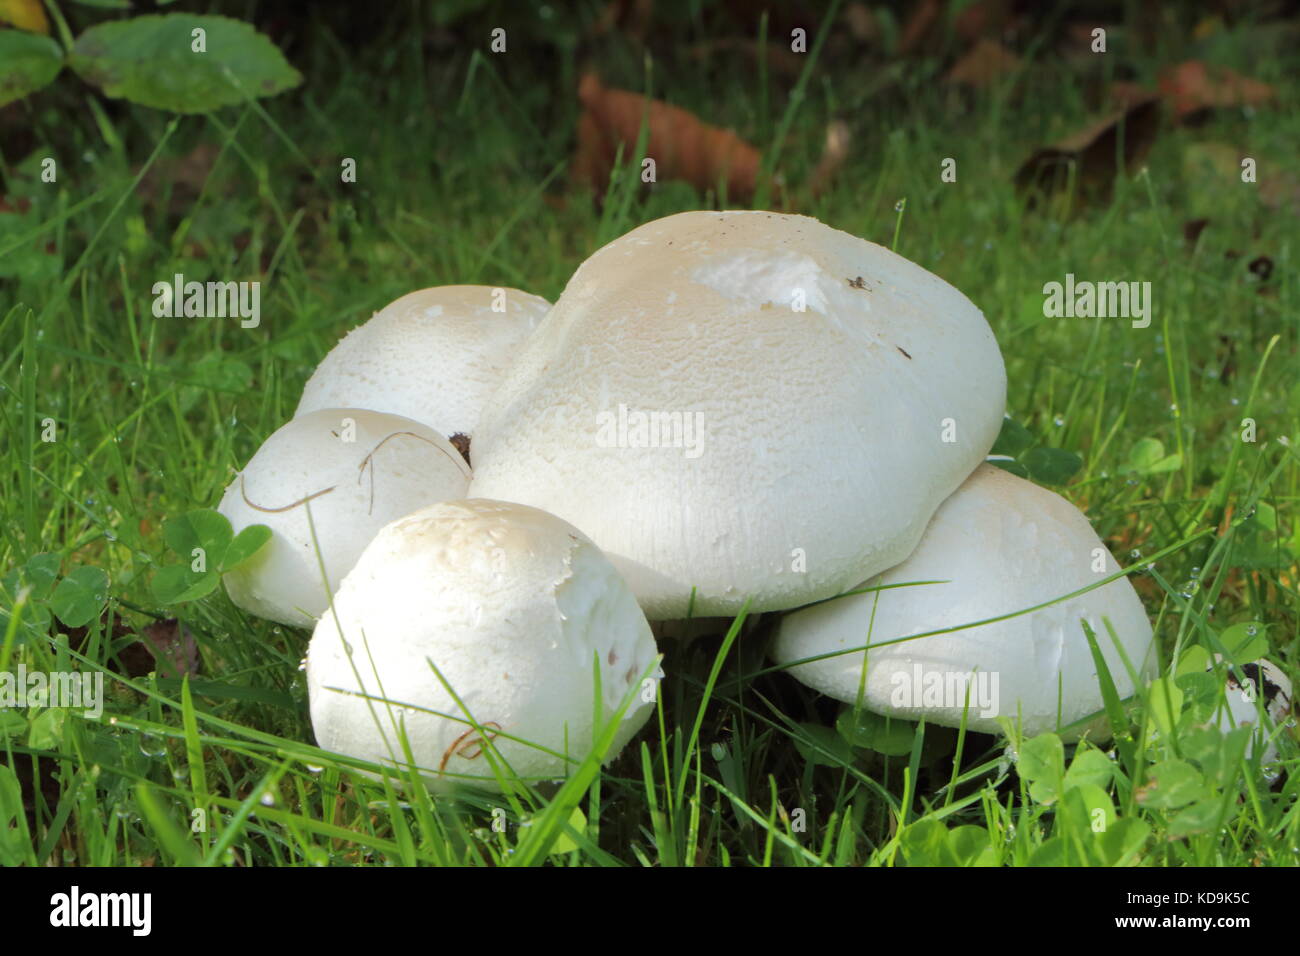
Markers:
(173, 647)
(983, 63)
(1192, 87)
(1094, 153)
(925, 19)
(26, 15)
(682, 146)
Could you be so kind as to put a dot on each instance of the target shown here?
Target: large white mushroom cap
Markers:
(678, 406)
(433, 356)
(1001, 544)
(356, 470)
(514, 608)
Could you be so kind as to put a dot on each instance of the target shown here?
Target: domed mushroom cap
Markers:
(356, 470)
(1000, 544)
(513, 607)
(750, 403)
(433, 356)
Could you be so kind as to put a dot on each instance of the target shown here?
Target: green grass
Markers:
(461, 161)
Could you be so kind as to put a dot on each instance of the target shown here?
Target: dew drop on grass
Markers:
(1058, 421)
(152, 745)
(302, 664)
(267, 799)
(312, 768)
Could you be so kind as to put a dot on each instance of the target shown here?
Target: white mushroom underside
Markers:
(998, 546)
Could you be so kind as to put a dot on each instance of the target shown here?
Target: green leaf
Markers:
(1091, 807)
(80, 596)
(1013, 439)
(176, 584)
(1173, 783)
(41, 571)
(1041, 762)
(1245, 642)
(12, 724)
(1194, 660)
(1122, 841)
(1089, 767)
(564, 843)
(891, 736)
(1165, 704)
(46, 731)
(1053, 852)
(246, 544)
(822, 745)
(1198, 818)
(27, 63)
(1051, 466)
(922, 842)
(1148, 458)
(150, 60)
(204, 529)
(15, 842)
(970, 846)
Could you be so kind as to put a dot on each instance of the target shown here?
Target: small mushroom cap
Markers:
(356, 470)
(1270, 688)
(433, 356)
(817, 397)
(999, 545)
(513, 607)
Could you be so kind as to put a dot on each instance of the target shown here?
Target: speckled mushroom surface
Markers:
(749, 403)
(511, 608)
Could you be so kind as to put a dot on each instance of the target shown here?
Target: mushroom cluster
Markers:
(723, 410)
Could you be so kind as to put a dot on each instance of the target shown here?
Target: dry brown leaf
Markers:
(1093, 153)
(1192, 87)
(682, 146)
(982, 64)
(925, 19)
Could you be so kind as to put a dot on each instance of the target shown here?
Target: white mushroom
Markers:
(999, 545)
(752, 404)
(513, 608)
(355, 471)
(433, 356)
(1264, 686)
